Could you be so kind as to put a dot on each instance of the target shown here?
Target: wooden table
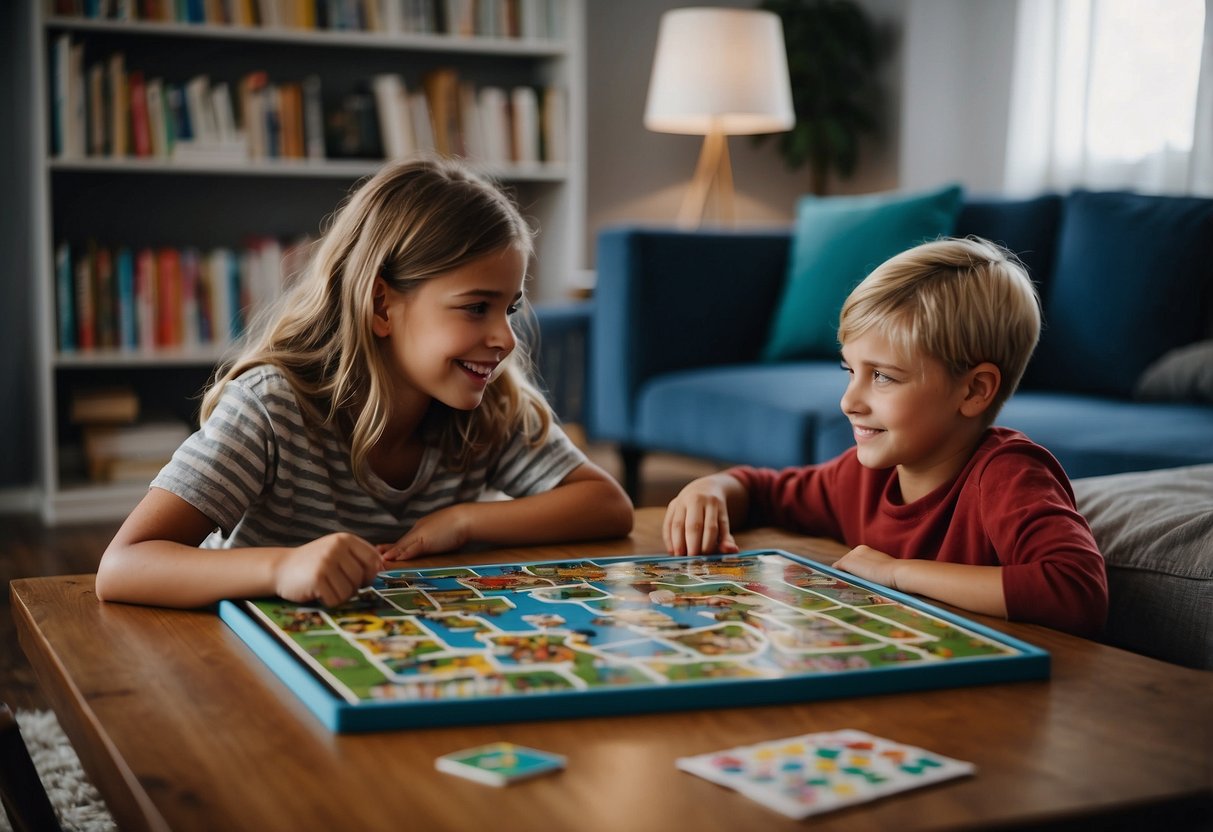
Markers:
(182, 727)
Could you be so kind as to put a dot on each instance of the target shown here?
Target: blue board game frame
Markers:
(595, 636)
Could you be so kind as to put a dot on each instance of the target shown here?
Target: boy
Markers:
(933, 500)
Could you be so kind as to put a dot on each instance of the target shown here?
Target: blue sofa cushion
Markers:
(836, 242)
(761, 414)
(1130, 283)
(1093, 436)
(1028, 227)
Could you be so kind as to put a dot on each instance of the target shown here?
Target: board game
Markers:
(468, 644)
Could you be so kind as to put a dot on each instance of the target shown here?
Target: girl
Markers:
(365, 420)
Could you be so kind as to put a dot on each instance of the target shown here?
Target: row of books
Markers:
(108, 110)
(166, 298)
(453, 117)
(470, 18)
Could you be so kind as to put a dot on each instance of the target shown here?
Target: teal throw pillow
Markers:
(837, 241)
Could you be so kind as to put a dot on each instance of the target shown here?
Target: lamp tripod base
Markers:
(713, 177)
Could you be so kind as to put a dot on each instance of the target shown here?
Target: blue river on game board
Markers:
(577, 617)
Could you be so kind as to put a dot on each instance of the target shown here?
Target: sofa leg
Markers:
(631, 457)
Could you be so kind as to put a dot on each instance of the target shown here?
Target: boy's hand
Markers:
(866, 562)
(443, 531)
(697, 520)
(330, 569)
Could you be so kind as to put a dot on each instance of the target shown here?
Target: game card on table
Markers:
(499, 763)
(814, 773)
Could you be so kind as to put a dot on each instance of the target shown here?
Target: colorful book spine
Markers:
(145, 298)
(128, 333)
(66, 297)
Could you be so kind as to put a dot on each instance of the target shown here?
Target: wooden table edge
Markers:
(125, 796)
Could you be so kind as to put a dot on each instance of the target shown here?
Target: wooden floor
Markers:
(28, 549)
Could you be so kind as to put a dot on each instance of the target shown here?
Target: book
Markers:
(103, 405)
(148, 445)
(105, 301)
(442, 96)
(495, 125)
(65, 297)
(62, 93)
(313, 118)
(141, 136)
(145, 298)
(124, 266)
(85, 306)
(524, 105)
(157, 123)
(554, 126)
(395, 124)
(98, 134)
(500, 763)
(168, 297)
(74, 141)
(423, 129)
(120, 108)
(251, 95)
(220, 295)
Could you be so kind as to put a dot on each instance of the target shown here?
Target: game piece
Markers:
(814, 773)
(499, 763)
(466, 644)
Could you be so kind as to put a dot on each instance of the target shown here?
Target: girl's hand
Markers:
(865, 562)
(330, 569)
(443, 531)
(697, 520)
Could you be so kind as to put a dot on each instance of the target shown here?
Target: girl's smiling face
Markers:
(905, 411)
(446, 339)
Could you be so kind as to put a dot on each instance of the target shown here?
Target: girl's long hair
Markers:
(410, 222)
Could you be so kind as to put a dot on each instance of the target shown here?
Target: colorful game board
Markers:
(468, 644)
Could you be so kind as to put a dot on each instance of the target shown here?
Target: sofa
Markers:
(1122, 380)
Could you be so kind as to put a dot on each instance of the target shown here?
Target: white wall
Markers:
(637, 176)
(956, 60)
(946, 79)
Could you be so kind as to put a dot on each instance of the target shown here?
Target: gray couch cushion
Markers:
(1155, 529)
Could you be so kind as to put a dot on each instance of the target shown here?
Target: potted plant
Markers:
(832, 60)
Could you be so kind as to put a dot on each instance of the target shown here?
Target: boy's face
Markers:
(905, 411)
(449, 336)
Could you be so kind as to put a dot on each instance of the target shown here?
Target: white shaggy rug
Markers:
(75, 799)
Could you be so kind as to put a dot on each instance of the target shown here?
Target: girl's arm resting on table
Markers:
(587, 504)
(154, 559)
(974, 588)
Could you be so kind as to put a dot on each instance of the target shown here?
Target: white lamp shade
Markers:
(722, 70)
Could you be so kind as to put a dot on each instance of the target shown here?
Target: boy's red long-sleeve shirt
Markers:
(1011, 506)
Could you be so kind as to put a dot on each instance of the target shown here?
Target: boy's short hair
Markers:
(960, 301)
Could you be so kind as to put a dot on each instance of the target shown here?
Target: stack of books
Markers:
(118, 447)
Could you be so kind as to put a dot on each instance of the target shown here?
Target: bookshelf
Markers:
(100, 191)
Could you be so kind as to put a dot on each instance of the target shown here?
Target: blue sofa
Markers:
(679, 321)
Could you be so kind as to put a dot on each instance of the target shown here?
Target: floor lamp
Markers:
(718, 73)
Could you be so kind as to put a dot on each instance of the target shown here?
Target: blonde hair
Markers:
(960, 301)
(409, 222)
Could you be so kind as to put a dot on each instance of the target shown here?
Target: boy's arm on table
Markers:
(700, 519)
(154, 559)
(971, 587)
